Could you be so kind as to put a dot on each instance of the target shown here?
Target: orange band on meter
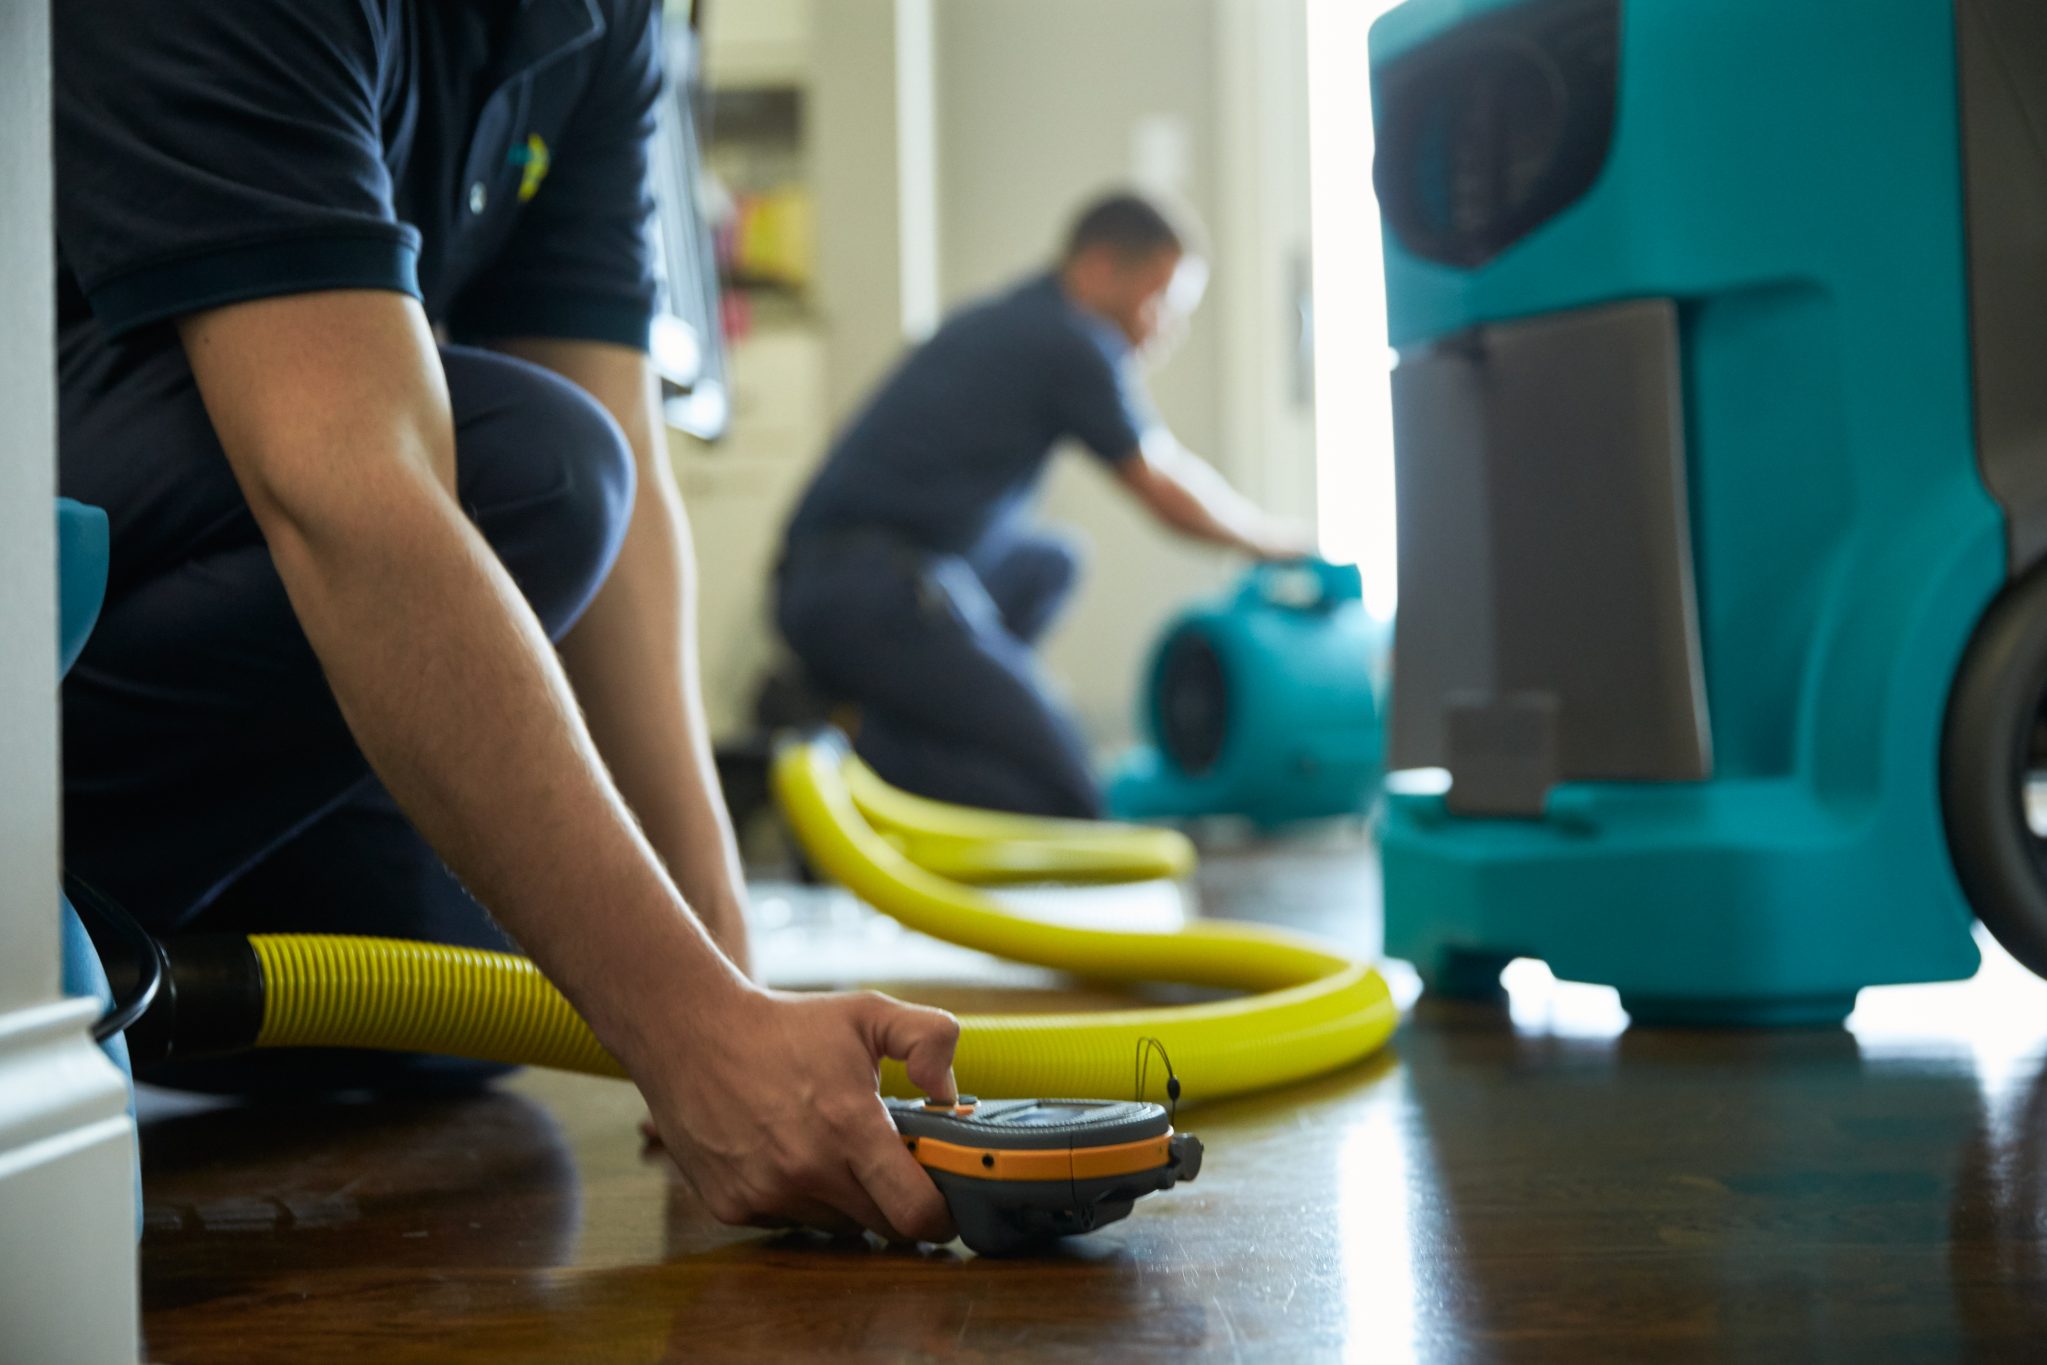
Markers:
(1054, 1163)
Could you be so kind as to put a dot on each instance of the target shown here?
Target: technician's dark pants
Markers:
(937, 651)
(209, 781)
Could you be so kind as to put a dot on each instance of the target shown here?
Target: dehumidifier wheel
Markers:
(1993, 770)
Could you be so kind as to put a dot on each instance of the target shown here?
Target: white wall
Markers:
(1041, 103)
(873, 149)
(67, 1252)
(1263, 275)
(1352, 359)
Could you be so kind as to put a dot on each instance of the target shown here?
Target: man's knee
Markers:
(1046, 564)
(1033, 581)
(1062, 561)
(547, 475)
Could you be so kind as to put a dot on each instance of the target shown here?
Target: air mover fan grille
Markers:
(1193, 703)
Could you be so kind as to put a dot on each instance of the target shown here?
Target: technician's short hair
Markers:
(1133, 225)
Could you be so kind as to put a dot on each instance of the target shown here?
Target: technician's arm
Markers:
(1186, 494)
(334, 415)
(632, 658)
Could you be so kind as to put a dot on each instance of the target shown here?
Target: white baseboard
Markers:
(67, 1194)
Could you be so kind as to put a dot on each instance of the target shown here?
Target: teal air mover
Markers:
(1721, 444)
(1261, 705)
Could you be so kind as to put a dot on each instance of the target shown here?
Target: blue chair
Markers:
(81, 587)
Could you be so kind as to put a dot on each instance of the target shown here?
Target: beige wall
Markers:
(1041, 102)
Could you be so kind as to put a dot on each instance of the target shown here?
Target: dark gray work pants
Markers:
(937, 650)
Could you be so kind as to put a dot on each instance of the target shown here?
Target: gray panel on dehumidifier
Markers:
(1548, 627)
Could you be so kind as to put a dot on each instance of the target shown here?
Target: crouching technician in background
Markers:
(911, 582)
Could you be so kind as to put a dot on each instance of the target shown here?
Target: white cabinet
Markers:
(738, 495)
(833, 98)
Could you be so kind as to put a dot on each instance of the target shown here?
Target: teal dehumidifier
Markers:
(1262, 705)
(1721, 443)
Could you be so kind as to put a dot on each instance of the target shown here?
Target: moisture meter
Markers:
(1019, 1174)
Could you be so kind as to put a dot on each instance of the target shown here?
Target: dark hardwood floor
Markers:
(1534, 1183)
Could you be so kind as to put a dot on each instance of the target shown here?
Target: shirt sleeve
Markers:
(580, 263)
(213, 151)
(1097, 400)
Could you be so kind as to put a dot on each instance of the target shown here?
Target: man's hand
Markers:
(1186, 494)
(1280, 540)
(780, 1122)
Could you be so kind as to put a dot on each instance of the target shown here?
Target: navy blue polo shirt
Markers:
(489, 157)
(955, 441)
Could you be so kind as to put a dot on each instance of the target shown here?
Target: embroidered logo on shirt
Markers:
(533, 157)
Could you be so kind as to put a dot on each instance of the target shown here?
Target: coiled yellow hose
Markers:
(1315, 1009)
(986, 847)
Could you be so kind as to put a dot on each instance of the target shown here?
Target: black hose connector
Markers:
(209, 1004)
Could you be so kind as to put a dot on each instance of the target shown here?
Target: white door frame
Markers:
(67, 1205)
(1262, 252)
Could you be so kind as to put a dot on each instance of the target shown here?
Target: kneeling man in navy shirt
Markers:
(353, 307)
(912, 582)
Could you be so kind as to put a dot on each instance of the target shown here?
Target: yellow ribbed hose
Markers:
(984, 847)
(338, 990)
(1314, 1009)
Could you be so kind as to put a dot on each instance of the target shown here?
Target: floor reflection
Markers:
(1997, 1228)
(245, 1189)
(1380, 1176)
(1536, 1181)
(1578, 1189)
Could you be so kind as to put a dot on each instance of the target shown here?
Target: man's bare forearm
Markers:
(443, 673)
(1185, 493)
(333, 411)
(633, 656)
(633, 661)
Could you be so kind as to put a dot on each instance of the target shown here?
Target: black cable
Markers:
(150, 962)
(1145, 1047)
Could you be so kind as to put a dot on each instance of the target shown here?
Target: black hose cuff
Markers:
(210, 1004)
